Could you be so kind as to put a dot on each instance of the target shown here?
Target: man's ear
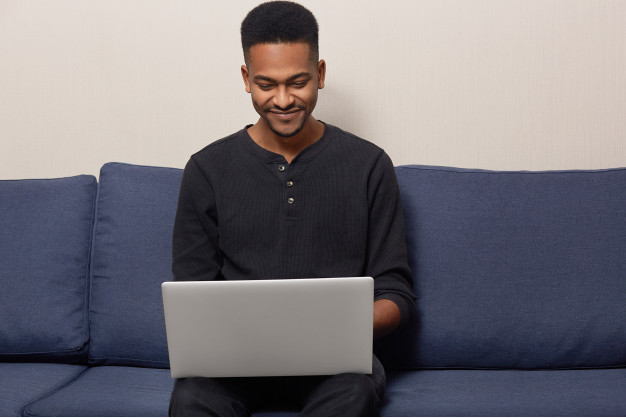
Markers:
(321, 74)
(244, 74)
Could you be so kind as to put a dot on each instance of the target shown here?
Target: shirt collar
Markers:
(270, 157)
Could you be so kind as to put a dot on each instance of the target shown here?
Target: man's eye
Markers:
(265, 86)
(300, 84)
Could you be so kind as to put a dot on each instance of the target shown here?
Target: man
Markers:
(290, 197)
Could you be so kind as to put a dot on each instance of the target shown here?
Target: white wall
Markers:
(497, 84)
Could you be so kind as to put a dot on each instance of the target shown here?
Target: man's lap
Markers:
(243, 396)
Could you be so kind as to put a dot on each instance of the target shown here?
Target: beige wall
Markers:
(497, 84)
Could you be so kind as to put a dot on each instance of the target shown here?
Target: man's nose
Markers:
(283, 98)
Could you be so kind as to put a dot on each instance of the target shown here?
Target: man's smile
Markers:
(286, 114)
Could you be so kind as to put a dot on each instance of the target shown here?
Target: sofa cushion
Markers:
(493, 393)
(514, 269)
(23, 383)
(44, 245)
(131, 258)
(110, 391)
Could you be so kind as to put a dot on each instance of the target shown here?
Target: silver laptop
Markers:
(269, 327)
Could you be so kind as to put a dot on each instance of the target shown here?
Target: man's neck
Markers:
(288, 147)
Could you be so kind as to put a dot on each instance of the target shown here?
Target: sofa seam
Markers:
(511, 172)
(105, 360)
(139, 165)
(529, 369)
(49, 179)
(71, 380)
(87, 294)
(29, 353)
(92, 248)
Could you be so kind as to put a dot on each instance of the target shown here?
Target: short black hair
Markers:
(277, 22)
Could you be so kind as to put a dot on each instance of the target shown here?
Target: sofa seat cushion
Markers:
(23, 383)
(132, 255)
(514, 270)
(110, 391)
(597, 392)
(45, 238)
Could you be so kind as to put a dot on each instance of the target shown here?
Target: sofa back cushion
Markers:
(45, 237)
(131, 258)
(514, 269)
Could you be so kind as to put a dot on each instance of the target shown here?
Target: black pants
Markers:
(347, 394)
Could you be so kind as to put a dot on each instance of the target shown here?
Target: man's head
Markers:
(278, 22)
(282, 71)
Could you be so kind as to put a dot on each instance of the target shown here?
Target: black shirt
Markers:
(244, 213)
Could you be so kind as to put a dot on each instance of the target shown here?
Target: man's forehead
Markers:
(276, 56)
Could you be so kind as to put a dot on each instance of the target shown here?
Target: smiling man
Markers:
(286, 82)
(291, 197)
(283, 80)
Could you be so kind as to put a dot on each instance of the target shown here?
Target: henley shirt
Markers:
(244, 213)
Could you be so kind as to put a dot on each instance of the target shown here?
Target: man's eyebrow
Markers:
(271, 80)
(264, 78)
(294, 77)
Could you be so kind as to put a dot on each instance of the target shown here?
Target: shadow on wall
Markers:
(338, 107)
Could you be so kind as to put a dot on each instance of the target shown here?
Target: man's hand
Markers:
(387, 317)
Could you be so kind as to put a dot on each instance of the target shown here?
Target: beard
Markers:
(287, 131)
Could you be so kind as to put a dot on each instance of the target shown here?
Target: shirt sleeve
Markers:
(386, 249)
(195, 248)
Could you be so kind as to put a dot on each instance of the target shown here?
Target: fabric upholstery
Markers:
(131, 258)
(23, 383)
(514, 269)
(110, 391)
(506, 393)
(45, 235)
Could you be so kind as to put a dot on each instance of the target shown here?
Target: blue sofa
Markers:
(520, 277)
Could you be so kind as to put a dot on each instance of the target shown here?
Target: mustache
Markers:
(286, 109)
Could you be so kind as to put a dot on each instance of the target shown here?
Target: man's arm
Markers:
(195, 254)
(387, 255)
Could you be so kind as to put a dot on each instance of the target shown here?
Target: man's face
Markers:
(283, 82)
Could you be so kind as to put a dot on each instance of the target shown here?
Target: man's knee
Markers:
(348, 394)
(182, 395)
(361, 392)
(201, 397)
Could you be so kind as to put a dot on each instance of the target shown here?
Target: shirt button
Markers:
(290, 183)
(291, 200)
(281, 168)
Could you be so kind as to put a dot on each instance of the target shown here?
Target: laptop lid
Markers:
(269, 327)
